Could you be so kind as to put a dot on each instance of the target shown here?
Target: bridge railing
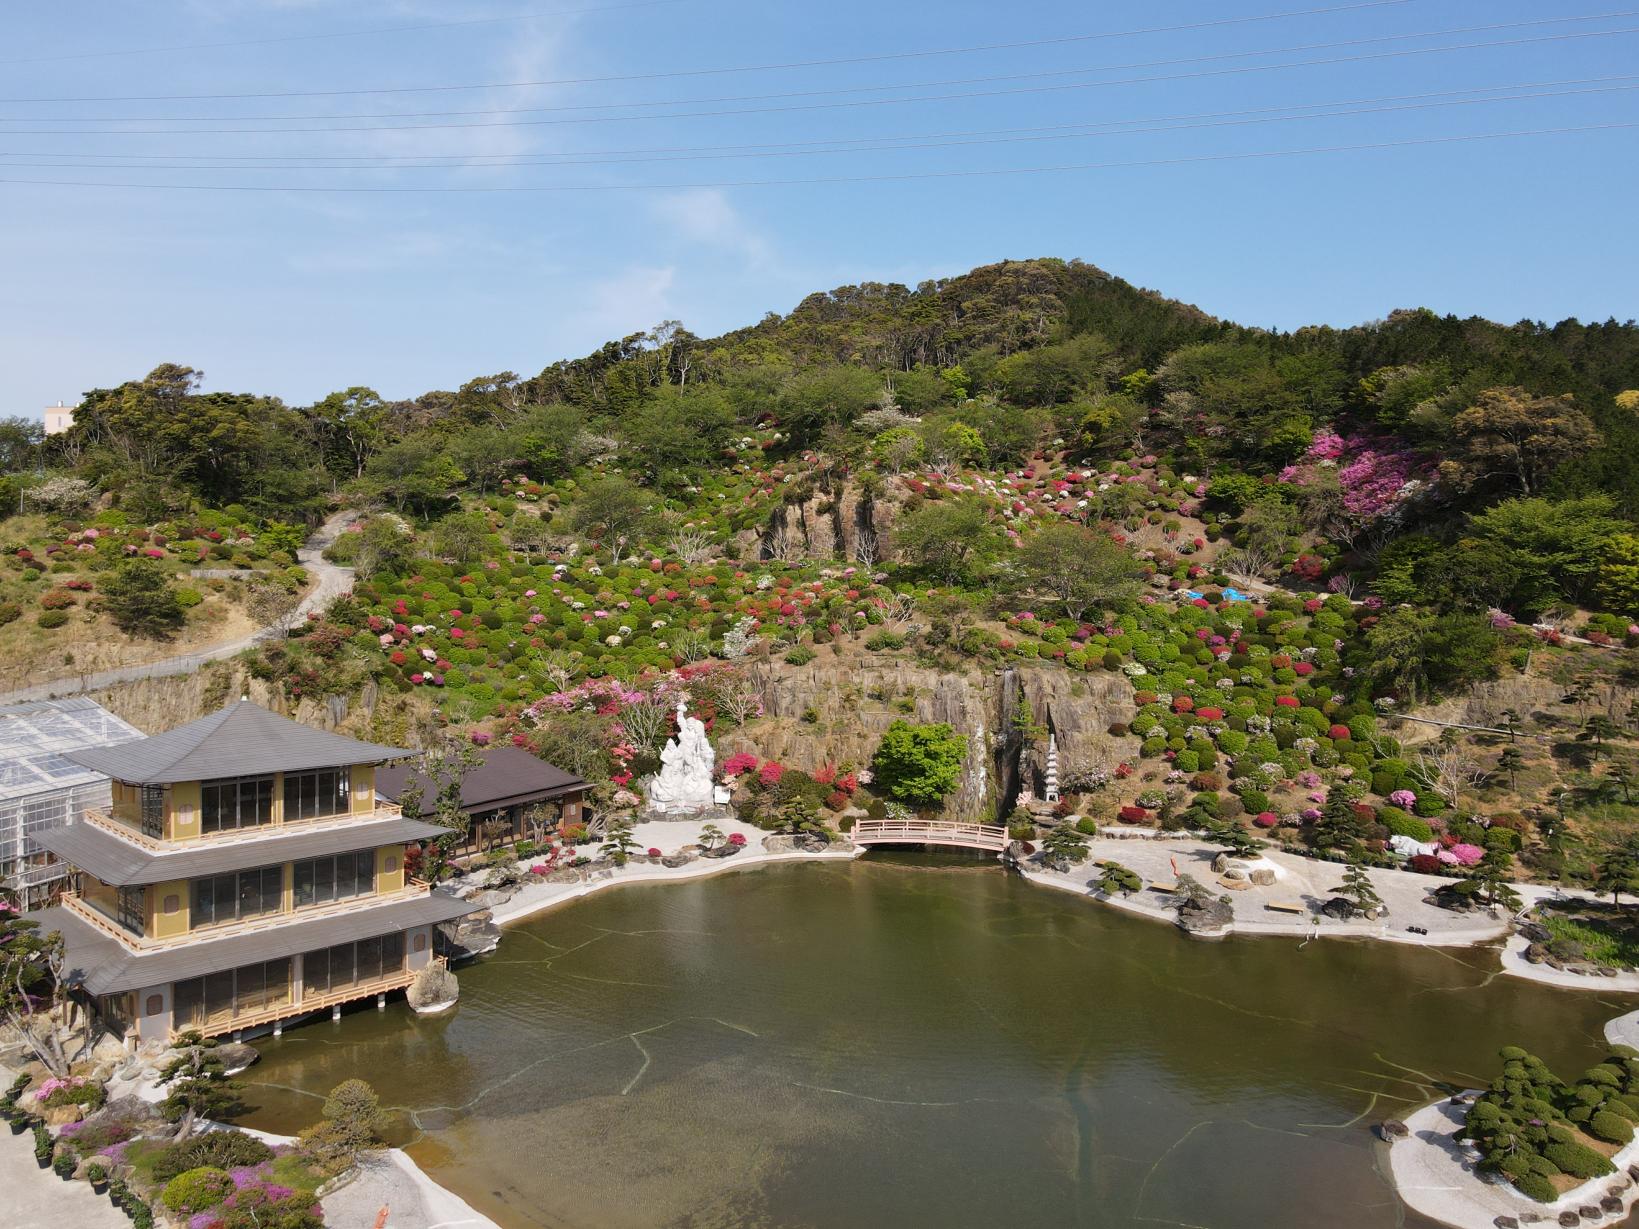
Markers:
(915, 831)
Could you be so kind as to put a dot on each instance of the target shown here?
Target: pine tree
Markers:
(1236, 840)
(1491, 876)
(1063, 848)
(1510, 762)
(1117, 878)
(199, 1085)
(1338, 826)
(1357, 888)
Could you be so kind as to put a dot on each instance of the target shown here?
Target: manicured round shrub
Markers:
(1400, 823)
(1578, 1160)
(51, 618)
(197, 1189)
(212, 1149)
(1429, 805)
(1535, 1186)
(1612, 1128)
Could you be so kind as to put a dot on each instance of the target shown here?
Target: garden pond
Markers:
(922, 1041)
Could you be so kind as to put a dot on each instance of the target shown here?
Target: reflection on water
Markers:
(923, 1043)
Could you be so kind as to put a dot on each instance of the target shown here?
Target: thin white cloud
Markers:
(707, 217)
(634, 299)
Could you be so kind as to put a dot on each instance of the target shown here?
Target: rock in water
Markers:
(1392, 1129)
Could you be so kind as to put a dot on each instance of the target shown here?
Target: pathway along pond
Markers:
(921, 1042)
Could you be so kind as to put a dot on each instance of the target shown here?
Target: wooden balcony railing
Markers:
(412, 890)
(100, 818)
(399, 980)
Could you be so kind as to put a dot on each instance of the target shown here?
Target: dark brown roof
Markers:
(241, 740)
(103, 965)
(103, 854)
(506, 776)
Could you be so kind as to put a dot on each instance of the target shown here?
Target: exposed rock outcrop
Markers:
(831, 713)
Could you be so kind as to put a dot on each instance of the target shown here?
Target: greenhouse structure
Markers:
(40, 787)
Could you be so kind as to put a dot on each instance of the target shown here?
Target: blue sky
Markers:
(298, 293)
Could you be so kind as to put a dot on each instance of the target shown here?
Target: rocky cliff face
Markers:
(156, 705)
(823, 713)
(842, 523)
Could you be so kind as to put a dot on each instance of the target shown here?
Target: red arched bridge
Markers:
(928, 832)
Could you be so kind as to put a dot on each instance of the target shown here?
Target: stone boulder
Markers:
(724, 850)
(1569, 1219)
(780, 843)
(1392, 1129)
(1262, 876)
(681, 858)
(1209, 916)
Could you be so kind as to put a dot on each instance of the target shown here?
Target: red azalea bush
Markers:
(1210, 713)
(770, 773)
(1339, 733)
(1133, 815)
(1266, 819)
(1424, 864)
(738, 765)
(737, 839)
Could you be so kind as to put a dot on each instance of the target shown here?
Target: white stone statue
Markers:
(683, 785)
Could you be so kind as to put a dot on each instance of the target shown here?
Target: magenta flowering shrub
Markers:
(1375, 476)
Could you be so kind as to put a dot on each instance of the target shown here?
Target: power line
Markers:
(815, 181)
(1162, 124)
(1056, 41)
(321, 160)
(872, 102)
(819, 93)
(310, 38)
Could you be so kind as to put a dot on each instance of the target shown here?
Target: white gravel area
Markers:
(1624, 1030)
(1301, 881)
(1437, 1178)
(668, 836)
(1515, 963)
(35, 1198)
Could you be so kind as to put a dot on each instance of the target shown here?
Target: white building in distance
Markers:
(59, 418)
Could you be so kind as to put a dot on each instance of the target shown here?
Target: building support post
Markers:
(335, 1012)
(381, 1001)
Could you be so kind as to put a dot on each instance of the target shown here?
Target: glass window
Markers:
(188, 1003)
(228, 898)
(313, 795)
(304, 884)
(252, 985)
(225, 806)
(320, 881)
(368, 959)
(316, 972)
(129, 908)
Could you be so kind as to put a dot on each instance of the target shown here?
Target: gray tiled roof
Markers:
(103, 965)
(103, 854)
(241, 740)
(505, 777)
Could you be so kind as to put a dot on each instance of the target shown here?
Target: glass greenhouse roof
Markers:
(34, 738)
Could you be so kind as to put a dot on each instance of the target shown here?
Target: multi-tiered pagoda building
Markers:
(245, 875)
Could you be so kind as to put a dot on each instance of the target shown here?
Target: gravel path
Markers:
(332, 581)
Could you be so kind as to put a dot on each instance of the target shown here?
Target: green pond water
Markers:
(921, 1043)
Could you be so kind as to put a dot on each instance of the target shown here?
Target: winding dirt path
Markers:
(332, 582)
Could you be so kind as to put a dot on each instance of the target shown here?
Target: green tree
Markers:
(31, 986)
(1081, 568)
(614, 512)
(1235, 839)
(1357, 888)
(1493, 879)
(956, 540)
(463, 537)
(1509, 763)
(1511, 437)
(814, 399)
(354, 1122)
(416, 474)
(1063, 848)
(1596, 729)
(198, 1085)
(138, 597)
(1338, 827)
(1618, 870)
(1115, 878)
(620, 844)
(1622, 776)
(919, 764)
(352, 426)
